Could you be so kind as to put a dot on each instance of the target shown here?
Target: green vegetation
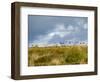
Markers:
(57, 55)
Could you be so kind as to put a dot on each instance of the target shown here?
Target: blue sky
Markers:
(54, 29)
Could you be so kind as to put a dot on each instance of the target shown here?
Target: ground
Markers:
(57, 55)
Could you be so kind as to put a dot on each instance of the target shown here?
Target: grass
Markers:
(57, 55)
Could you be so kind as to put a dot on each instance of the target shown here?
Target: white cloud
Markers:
(59, 27)
(59, 30)
(70, 28)
(80, 22)
(43, 39)
(85, 26)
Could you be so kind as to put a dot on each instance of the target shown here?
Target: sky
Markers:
(55, 29)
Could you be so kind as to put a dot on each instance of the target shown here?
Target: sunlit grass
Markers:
(57, 55)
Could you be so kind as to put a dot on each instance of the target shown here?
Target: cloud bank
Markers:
(52, 29)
